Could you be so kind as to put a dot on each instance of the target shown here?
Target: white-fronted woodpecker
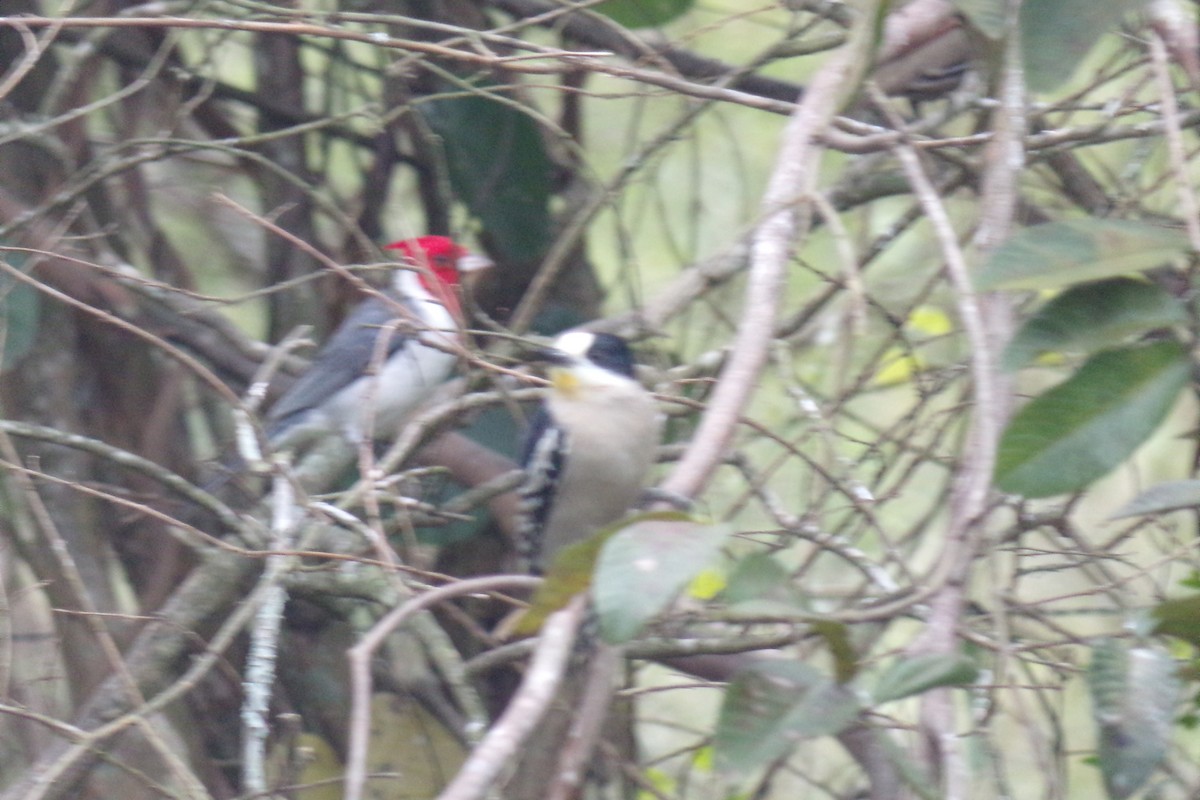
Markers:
(335, 394)
(589, 448)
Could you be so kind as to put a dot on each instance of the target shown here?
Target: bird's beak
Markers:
(471, 262)
(552, 356)
(562, 378)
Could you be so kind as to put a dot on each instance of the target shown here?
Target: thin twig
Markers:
(525, 710)
(360, 664)
(191, 363)
(60, 767)
(984, 324)
(33, 53)
(228, 518)
(79, 594)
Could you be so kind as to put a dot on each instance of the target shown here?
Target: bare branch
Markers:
(360, 664)
(785, 218)
(531, 700)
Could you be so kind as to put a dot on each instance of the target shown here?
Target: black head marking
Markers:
(612, 353)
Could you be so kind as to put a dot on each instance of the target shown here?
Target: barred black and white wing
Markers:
(543, 460)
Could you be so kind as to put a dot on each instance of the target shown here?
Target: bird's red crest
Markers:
(437, 258)
(438, 254)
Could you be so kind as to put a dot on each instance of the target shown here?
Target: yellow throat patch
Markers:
(564, 381)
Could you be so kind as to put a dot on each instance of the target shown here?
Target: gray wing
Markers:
(340, 362)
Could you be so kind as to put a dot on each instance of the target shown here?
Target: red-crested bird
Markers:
(340, 393)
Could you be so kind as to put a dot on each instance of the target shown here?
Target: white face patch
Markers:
(575, 343)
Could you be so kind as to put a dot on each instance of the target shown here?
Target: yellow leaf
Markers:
(929, 320)
(708, 584)
(898, 367)
(1050, 358)
(661, 781)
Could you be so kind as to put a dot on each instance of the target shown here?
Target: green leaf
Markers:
(1169, 496)
(572, 569)
(1134, 693)
(1056, 35)
(754, 576)
(1093, 316)
(1083, 428)
(770, 706)
(20, 313)
(1065, 253)
(642, 569)
(909, 676)
(643, 13)
(760, 584)
(987, 16)
(498, 166)
(1180, 618)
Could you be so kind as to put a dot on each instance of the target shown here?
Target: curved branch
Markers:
(584, 28)
(361, 654)
(525, 710)
(786, 216)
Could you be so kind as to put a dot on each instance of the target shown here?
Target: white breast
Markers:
(614, 435)
(386, 401)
